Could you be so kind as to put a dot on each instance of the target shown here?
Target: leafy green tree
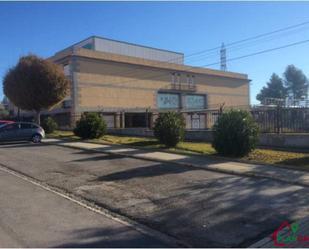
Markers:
(274, 89)
(90, 126)
(35, 84)
(296, 82)
(169, 128)
(235, 133)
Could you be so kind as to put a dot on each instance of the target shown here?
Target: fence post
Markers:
(278, 119)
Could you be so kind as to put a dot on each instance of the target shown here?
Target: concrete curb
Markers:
(97, 208)
(224, 171)
(231, 159)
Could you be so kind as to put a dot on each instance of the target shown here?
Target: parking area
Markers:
(202, 208)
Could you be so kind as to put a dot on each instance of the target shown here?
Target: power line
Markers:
(252, 37)
(252, 43)
(260, 52)
(214, 50)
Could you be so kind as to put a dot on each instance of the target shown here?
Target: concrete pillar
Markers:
(123, 120)
(184, 115)
(153, 119)
(117, 122)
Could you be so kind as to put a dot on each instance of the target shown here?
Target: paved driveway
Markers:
(205, 209)
(33, 217)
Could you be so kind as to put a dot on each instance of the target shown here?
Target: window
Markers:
(168, 100)
(195, 101)
(173, 80)
(27, 126)
(11, 127)
(190, 81)
(178, 80)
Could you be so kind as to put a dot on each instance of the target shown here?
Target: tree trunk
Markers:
(18, 114)
(38, 117)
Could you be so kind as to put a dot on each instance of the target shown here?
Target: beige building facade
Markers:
(130, 84)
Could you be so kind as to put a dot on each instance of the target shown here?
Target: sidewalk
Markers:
(205, 162)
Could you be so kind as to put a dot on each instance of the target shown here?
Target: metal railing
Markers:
(270, 119)
(183, 87)
(282, 119)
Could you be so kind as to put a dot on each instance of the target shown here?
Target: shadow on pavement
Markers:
(111, 237)
(148, 171)
(20, 144)
(99, 158)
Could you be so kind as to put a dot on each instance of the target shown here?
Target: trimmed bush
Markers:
(90, 126)
(169, 128)
(4, 114)
(49, 125)
(235, 133)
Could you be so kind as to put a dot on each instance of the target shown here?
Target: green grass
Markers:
(276, 157)
(299, 160)
(62, 134)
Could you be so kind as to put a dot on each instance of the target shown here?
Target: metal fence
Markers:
(282, 119)
(272, 119)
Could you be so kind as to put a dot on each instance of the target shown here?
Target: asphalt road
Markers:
(33, 217)
(202, 208)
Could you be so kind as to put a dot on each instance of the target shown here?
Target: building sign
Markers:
(168, 100)
(195, 101)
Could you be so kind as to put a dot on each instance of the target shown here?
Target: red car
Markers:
(3, 122)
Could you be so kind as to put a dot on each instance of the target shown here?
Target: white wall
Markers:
(117, 47)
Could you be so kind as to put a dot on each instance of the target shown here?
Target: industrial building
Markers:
(130, 84)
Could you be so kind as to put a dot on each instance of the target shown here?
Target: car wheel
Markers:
(36, 138)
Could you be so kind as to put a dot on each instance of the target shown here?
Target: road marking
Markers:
(97, 209)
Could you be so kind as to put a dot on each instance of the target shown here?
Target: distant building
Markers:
(130, 84)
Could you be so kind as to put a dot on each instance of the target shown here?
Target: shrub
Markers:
(90, 126)
(169, 128)
(235, 133)
(4, 114)
(49, 125)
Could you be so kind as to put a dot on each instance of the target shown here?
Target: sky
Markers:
(44, 28)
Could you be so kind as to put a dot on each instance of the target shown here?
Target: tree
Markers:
(295, 81)
(35, 84)
(169, 128)
(274, 89)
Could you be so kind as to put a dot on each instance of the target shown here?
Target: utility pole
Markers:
(223, 57)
